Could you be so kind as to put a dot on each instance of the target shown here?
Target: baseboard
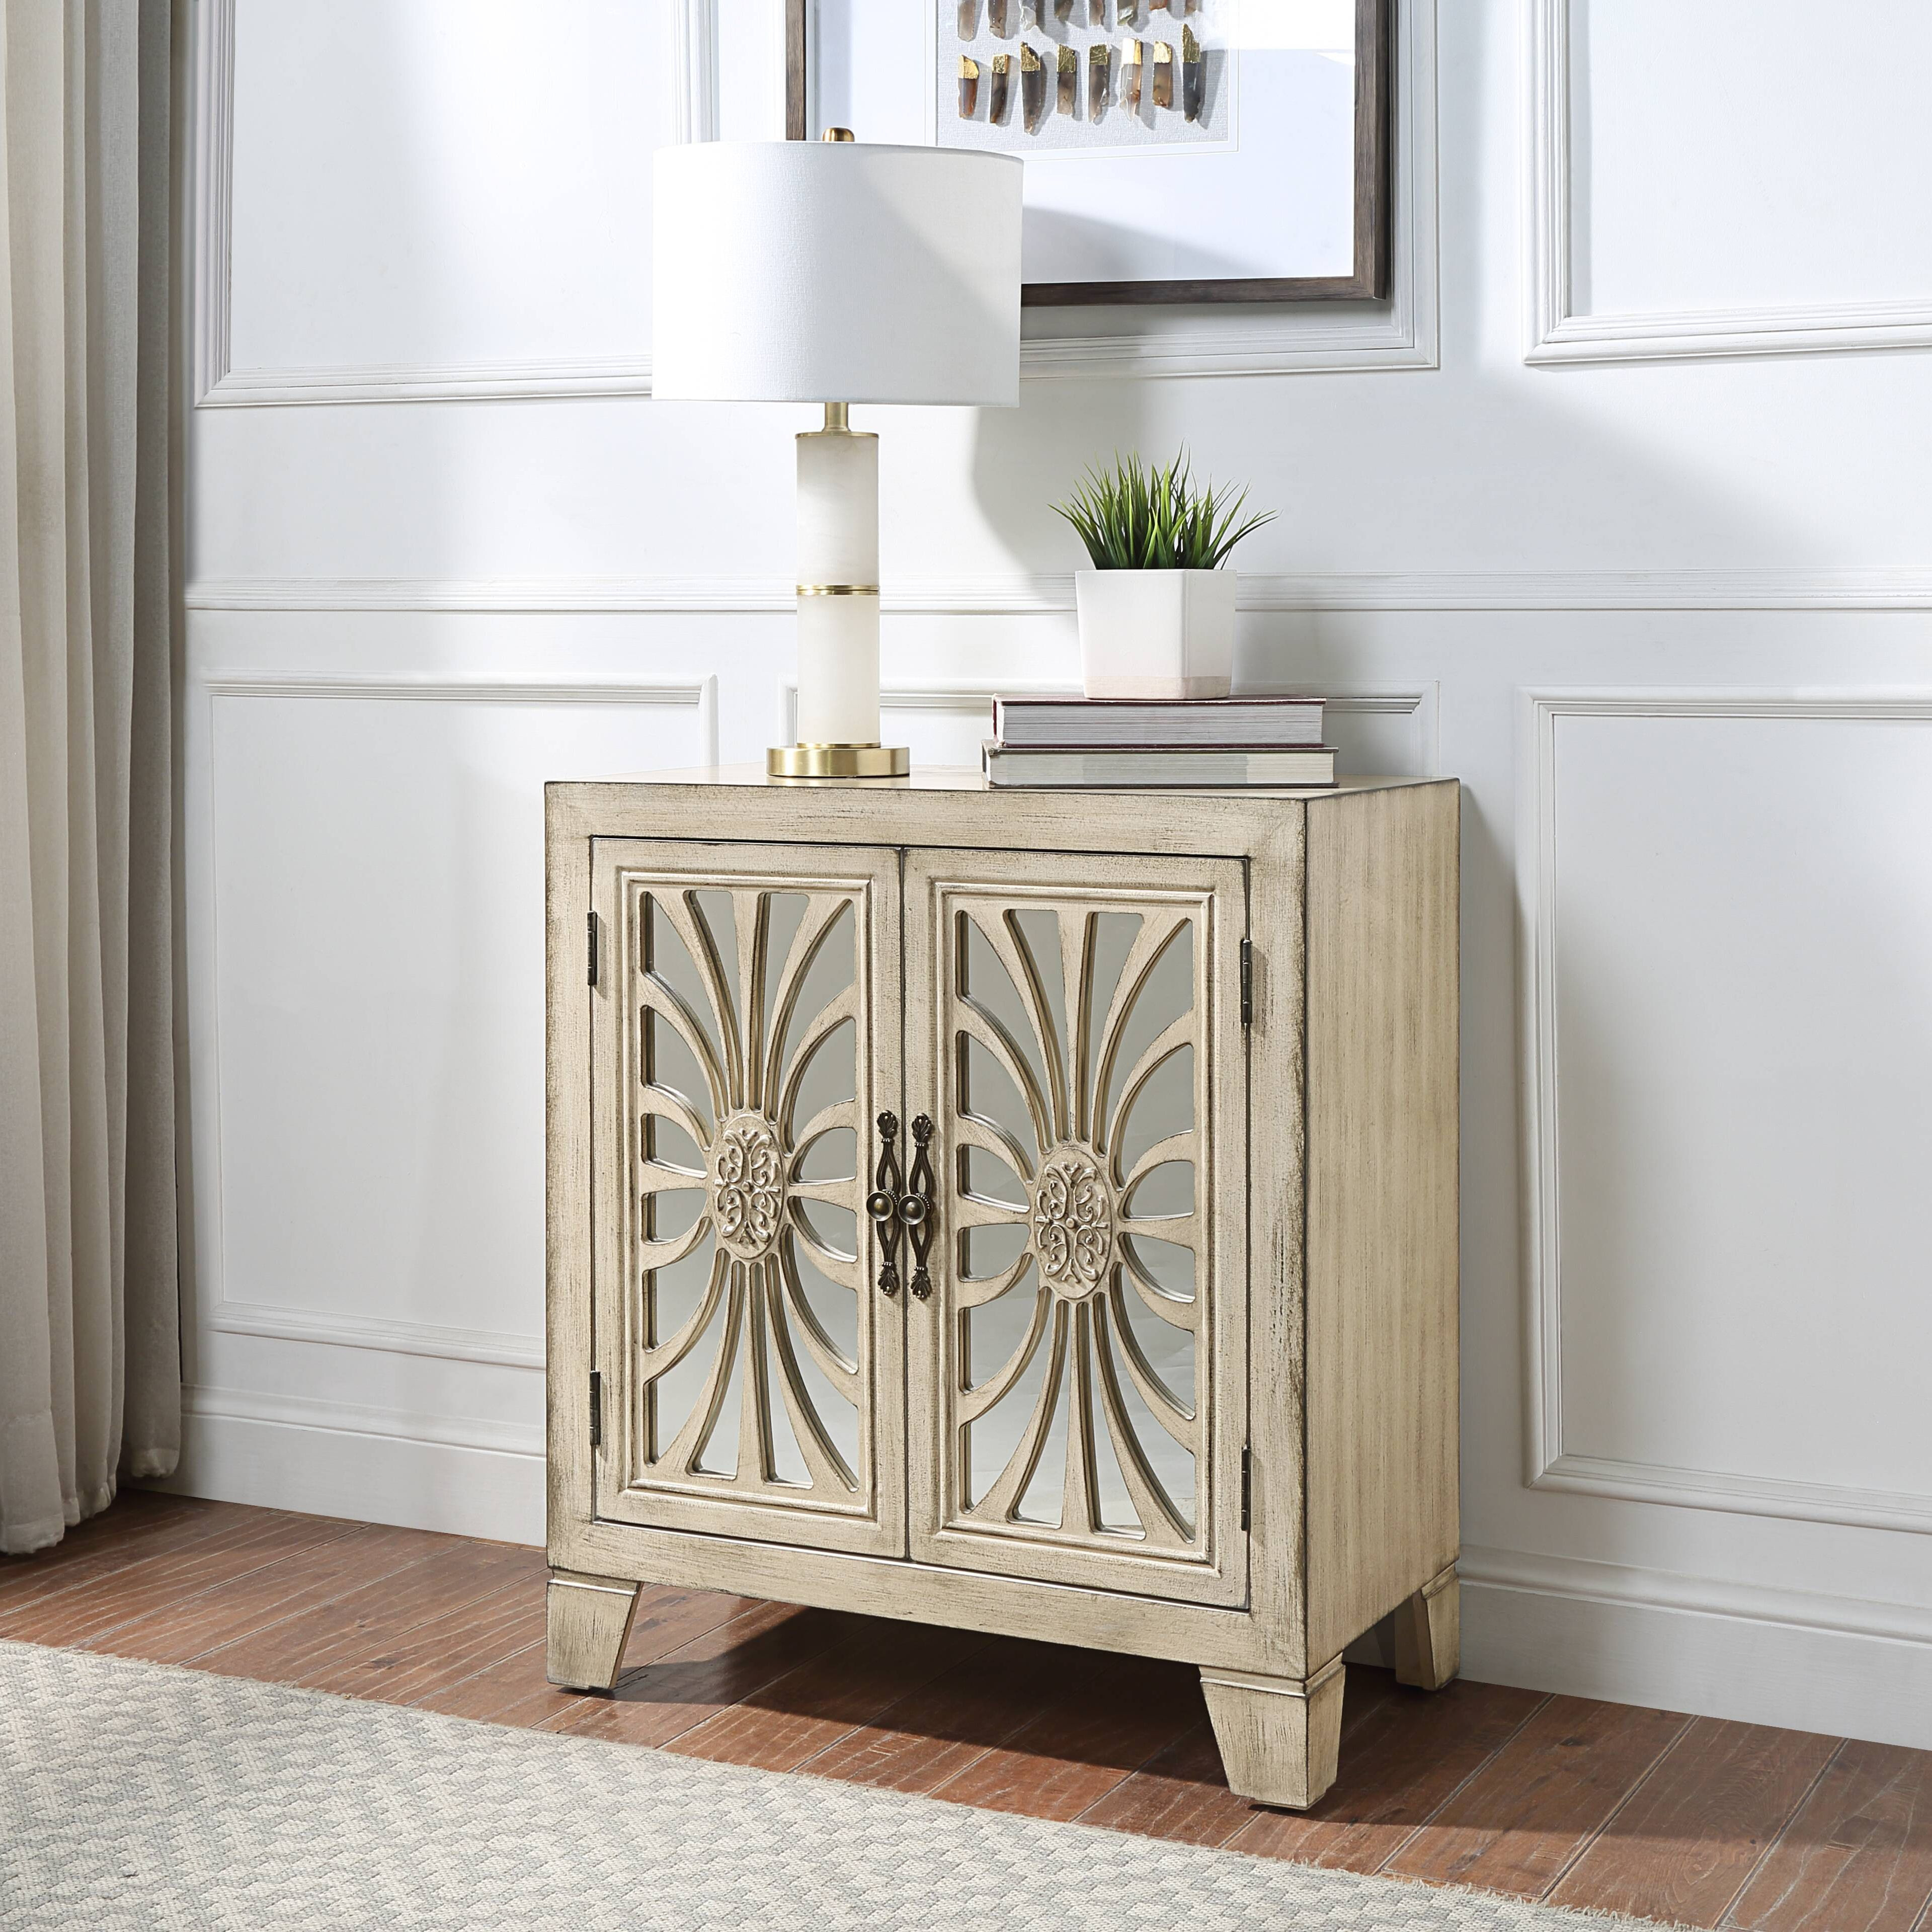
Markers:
(1806, 1661)
(369, 1466)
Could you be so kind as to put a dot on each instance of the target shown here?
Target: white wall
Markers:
(1618, 514)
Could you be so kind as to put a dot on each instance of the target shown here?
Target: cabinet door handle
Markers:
(917, 1206)
(883, 1204)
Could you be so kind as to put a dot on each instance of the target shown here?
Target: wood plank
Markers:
(132, 1511)
(316, 1644)
(1406, 1760)
(1515, 1826)
(977, 1702)
(514, 1690)
(1683, 1846)
(1104, 1723)
(440, 1651)
(665, 1699)
(124, 1534)
(164, 1579)
(1182, 1793)
(797, 1716)
(180, 1631)
(1858, 1857)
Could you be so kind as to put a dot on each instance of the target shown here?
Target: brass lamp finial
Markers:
(838, 134)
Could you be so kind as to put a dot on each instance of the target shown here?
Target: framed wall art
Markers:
(1177, 151)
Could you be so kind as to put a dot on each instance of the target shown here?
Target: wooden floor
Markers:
(1647, 1812)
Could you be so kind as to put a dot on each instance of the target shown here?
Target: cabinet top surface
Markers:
(940, 805)
(967, 778)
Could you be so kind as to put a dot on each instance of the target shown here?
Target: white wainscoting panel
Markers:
(360, 239)
(1744, 177)
(1727, 908)
(446, 251)
(366, 961)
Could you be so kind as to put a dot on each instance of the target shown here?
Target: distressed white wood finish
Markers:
(1429, 1634)
(589, 1623)
(698, 959)
(1380, 1035)
(1052, 969)
(1280, 1738)
(1316, 1221)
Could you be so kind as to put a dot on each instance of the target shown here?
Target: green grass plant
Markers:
(1136, 516)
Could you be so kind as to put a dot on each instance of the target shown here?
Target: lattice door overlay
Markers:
(1075, 1063)
(748, 1329)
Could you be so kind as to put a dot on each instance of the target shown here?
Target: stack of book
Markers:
(1115, 744)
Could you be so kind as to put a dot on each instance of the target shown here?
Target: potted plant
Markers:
(1156, 610)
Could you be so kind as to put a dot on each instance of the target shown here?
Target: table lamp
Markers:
(836, 272)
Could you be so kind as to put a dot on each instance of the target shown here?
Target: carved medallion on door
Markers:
(1086, 1070)
(748, 1362)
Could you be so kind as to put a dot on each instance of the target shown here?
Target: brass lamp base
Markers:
(838, 761)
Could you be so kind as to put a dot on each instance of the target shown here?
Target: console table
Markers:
(1029, 1211)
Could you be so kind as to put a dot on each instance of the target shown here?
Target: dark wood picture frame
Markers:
(1367, 281)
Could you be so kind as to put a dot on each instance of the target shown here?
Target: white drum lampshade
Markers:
(832, 272)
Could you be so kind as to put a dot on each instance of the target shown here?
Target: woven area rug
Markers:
(136, 1796)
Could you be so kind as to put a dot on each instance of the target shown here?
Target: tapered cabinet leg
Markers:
(1280, 1736)
(589, 1622)
(1429, 1634)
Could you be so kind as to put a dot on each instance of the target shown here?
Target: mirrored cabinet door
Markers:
(745, 1037)
(1078, 1385)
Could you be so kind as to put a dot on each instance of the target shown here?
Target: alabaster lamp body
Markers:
(838, 562)
(836, 273)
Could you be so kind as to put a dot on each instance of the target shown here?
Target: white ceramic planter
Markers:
(1155, 633)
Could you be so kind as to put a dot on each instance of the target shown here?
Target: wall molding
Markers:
(1558, 333)
(1582, 1580)
(349, 1418)
(1549, 1464)
(1052, 595)
(700, 694)
(962, 696)
(1740, 1651)
(1303, 338)
(488, 1347)
(695, 25)
(1749, 1496)
(974, 697)
(212, 149)
(456, 1476)
(428, 382)
(241, 1316)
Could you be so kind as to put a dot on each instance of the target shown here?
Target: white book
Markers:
(1220, 721)
(1124, 769)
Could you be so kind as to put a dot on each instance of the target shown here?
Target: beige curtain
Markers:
(90, 1358)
